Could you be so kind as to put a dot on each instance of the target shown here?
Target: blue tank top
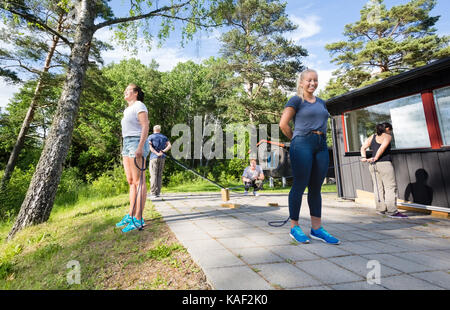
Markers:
(308, 116)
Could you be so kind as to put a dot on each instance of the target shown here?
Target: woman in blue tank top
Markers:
(308, 154)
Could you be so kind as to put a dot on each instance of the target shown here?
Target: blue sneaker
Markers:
(124, 221)
(322, 235)
(134, 224)
(298, 235)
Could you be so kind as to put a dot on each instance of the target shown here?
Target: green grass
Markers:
(205, 186)
(37, 257)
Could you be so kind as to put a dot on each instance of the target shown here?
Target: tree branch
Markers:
(134, 18)
(32, 19)
(186, 19)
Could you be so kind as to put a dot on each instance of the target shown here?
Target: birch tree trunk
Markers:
(41, 193)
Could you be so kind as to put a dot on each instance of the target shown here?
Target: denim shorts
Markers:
(130, 145)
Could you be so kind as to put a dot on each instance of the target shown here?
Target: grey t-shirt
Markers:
(308, 116)
(252, 174)
(130, 123)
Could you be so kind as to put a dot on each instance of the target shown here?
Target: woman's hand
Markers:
(139, 152)
(363, 159)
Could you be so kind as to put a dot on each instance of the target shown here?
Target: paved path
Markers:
(237, 249)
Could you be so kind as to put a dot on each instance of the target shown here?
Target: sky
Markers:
(320, 22)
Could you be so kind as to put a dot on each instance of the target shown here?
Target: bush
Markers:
(69, 187)
(12, 198)
(180, 177)
(110, 183)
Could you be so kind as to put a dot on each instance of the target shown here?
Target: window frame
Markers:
(437, 116)
(431, 120)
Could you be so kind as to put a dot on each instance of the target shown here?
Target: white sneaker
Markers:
(153, 197)
(245, 193)
(255, 194)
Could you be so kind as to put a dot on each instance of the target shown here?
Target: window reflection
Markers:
(442, 100)
(406, 116)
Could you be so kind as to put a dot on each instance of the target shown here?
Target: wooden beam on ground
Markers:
(230, 205)
(368, 198)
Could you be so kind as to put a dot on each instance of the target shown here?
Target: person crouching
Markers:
(253, 176)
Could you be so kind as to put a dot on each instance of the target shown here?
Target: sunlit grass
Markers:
(85, 232)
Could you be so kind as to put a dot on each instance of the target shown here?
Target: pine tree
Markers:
(264, 61)
(386, 42)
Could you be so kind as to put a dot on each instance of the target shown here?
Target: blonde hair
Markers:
(301, 76)
(157, 128)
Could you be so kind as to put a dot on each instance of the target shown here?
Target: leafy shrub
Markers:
(69, 187)
(110, 183)
(11, 199)
(180, 177)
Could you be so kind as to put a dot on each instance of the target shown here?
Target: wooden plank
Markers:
(444, 215)
(356, 173)
(435, 182)
(230, 205)
(401, 173)
(339, 140)
(413, 163)
(444, 163)
(366, 177)
(347, 179)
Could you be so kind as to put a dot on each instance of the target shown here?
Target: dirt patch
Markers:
(136, 270)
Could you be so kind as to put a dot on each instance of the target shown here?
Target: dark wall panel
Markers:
(366, 177)
(401, 174)
(356, 173)
(444, 163)
(434, 181)
(347, 179)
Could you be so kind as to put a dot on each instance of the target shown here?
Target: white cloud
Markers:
(6, 93)
(324, 77)
(166, 57)
(307, 27)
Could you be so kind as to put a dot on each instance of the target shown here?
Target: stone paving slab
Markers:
(238, 250)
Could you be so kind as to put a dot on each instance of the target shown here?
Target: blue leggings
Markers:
(309, 162)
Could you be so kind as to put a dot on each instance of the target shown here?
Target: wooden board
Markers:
(435, 180)
(230, 205)
(225, 194)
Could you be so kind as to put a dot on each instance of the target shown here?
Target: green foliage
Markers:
(162, 251)
(385, 42)
(110, 183)
(256, 51)
(11, 199)
(69, 187)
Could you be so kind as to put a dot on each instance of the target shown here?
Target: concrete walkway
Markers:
(237, 249)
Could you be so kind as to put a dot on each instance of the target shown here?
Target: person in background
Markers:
(382, 171)
(159, 146)
(253, 176)
(135, 126)
(309, 155)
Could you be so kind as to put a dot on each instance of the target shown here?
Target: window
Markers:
(406, 116)
(442, 101)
